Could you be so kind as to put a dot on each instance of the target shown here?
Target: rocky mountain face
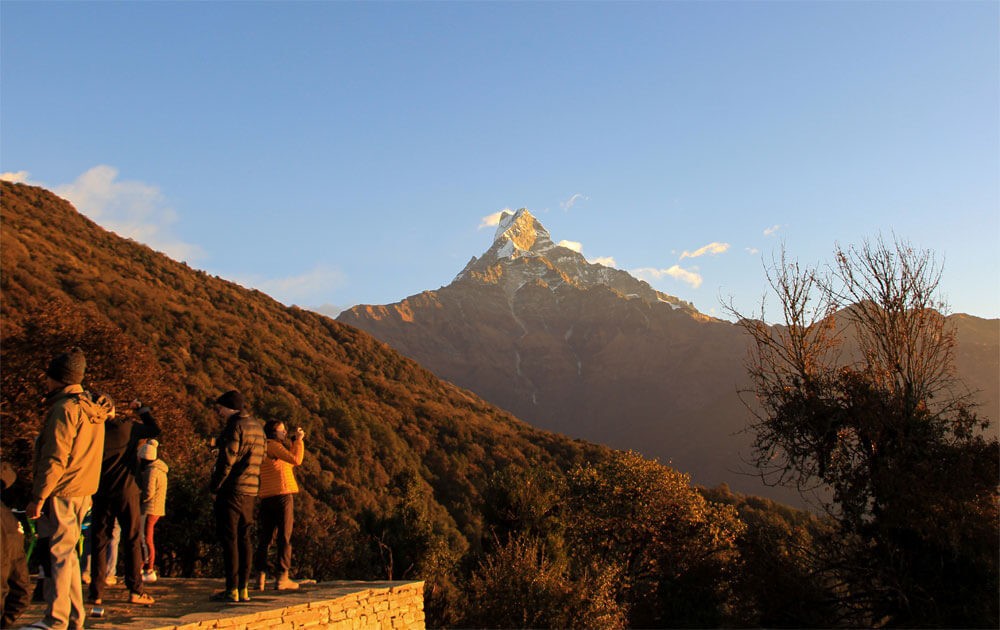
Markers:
(592, 352)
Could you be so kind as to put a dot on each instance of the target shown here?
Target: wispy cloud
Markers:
(569, 203)
(575, 246)
(313, 286)
(607, 261)
(676, 272)
(493, 220)
(19, 177)
(752, 251)
(132, 209)
(712, 249)
(772, 230)
(330, 310)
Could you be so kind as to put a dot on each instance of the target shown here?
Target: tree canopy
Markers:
(855, 394)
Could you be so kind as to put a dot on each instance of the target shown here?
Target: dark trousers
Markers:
(276, 518)
(14, 578)
(233, 517)
(125, 509)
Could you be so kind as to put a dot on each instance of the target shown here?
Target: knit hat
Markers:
(68, 367)
(231, 400)
(148, 450)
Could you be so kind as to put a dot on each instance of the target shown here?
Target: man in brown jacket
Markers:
(67, 471)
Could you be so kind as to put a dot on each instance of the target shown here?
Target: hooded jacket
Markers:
(121, 441)
(153, 481)
(69, 449)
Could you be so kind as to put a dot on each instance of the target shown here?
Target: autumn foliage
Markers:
(405, 476)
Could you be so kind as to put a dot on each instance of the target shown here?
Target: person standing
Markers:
(15, 582)
(117, 499)
(67, 471)
(234, 482)
(277, 491)
(153, 484)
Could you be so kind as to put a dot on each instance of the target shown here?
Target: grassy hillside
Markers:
(399, 463)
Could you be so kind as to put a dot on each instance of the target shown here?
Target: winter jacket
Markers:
(276, 475)
(69, 449)
(241, 450)
(153, 480)
(121, 440)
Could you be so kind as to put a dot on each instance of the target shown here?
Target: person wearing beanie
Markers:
(153, 485)
(67, 471)
(234, 482)
(117, 500)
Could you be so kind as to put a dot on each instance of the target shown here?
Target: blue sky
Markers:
(342, 153)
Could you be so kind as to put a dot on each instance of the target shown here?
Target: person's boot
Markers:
(285, 583)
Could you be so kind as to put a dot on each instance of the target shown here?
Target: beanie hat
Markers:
(148, 450)
(231, 400)
(68, 367)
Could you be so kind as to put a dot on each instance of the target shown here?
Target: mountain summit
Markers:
(523, 252)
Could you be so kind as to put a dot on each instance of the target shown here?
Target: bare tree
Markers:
(855, 393)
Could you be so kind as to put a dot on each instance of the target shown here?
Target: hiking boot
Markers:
(141, 598)
(244, 594)
(232, 595)
(285, 583)
(111, 580)
(262, 581)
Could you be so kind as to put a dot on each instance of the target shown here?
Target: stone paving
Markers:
(185, 603)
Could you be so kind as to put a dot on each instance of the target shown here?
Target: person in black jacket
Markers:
(235, 480)
(117, 498)
(14, 581)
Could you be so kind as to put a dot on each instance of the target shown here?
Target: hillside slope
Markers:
(381, 430)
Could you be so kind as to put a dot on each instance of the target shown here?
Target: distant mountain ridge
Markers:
(593, 352)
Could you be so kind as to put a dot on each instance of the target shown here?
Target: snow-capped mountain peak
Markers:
(520, 232)
(523, 252)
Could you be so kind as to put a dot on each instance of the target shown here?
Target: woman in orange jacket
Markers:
(277, 489)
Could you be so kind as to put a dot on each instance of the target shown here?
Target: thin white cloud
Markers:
(330, 310)
(575, 246)
(492, 220)
(752, 251)
(676, 272)
(19, 177)
(132, 209)
(607, 261)
(310, 287)
(569, 203)
(772, 230)
(712, 249)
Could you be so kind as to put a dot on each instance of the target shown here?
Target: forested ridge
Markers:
(406, 476)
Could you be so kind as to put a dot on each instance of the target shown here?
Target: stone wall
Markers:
(399, 607)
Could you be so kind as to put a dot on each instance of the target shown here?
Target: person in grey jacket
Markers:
(234, 482)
